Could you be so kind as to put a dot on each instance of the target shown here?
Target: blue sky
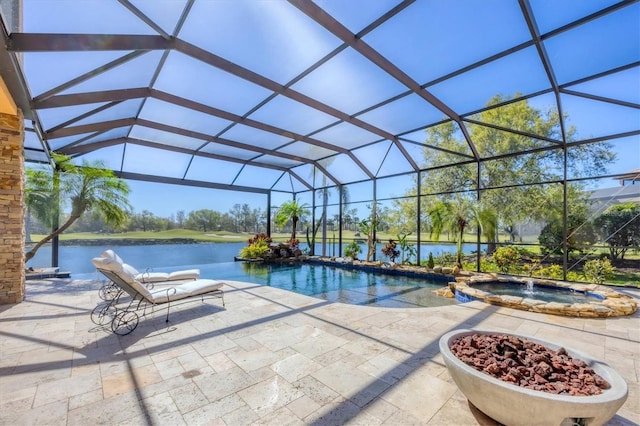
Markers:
(279, 41)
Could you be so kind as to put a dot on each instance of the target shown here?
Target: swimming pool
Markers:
(331, 283)
(337, 284)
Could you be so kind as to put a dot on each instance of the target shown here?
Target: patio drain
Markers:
(191, 373)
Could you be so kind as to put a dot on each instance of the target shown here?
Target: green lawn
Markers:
(622, 278)
(213, 237)
(216, 237)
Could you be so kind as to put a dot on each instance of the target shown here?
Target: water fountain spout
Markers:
(529, 290)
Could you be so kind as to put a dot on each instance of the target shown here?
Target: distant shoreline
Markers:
(127, 241)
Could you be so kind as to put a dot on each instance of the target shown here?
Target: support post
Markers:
(341, 195)
(55, 242)
(313, 222)
(418, 217)
(269, 213)
(478, 231)
(12, 183)
(565, 212)
(374, 217)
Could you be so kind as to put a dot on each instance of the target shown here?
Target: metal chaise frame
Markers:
(122, 313)
(109, 290)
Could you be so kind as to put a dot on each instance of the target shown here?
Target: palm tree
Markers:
(368, 227)
(90, 186)
(291, 210)
(452, 216)
(488, 221)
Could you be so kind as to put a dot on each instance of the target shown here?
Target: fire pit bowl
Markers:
(511, 404)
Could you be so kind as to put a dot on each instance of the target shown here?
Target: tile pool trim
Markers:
(378, 269)
(463, 297)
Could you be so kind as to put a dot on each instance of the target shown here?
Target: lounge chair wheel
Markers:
(108, 291)
(103, 314)
(124, 323)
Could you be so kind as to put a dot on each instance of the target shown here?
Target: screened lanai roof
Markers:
(295, 95)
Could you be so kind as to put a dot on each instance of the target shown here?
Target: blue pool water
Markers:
(329, 283)
(538, 292)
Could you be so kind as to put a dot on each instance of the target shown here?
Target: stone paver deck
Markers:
(271, 357)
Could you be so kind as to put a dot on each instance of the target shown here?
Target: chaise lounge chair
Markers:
(134, 300)
(109, 290)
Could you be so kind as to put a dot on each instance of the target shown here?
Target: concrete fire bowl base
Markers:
(510, 404)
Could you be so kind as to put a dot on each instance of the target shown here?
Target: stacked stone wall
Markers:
(12, 232)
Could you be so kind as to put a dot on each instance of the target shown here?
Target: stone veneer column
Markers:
(12, 232)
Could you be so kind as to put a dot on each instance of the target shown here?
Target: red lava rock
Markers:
(528, 364)
(543, 369)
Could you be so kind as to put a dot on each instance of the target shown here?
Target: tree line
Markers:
(240, 218)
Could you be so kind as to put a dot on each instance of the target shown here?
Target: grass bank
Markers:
(173, 234)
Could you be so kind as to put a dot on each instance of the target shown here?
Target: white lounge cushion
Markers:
(110, 254)
(183, 291)
(106, 263)
(154, 277)
(130, 269)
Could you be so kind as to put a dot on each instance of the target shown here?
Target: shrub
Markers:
(255, 250)
(553, 271)
(352, 250)
(598, 270)
(533, 268)
(430, 262)
(507, 258)
(619, 226)
(581, 235)
(446, 258)
(574, 276)
(486, 265)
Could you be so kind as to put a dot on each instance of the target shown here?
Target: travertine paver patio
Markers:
(269, 357)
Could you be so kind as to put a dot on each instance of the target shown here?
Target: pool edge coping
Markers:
(613, 303)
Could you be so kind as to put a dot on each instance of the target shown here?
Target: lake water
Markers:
(77, 259)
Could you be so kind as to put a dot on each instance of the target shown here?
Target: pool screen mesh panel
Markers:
(295, 95)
